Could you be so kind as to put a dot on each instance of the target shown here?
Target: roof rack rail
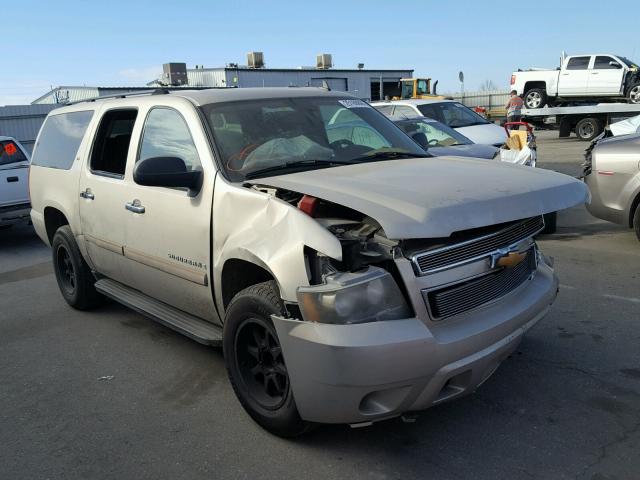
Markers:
(150, 91)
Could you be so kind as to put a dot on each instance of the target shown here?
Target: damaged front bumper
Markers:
(366, 372)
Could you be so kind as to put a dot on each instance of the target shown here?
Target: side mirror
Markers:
(167, 172)
(615, 64)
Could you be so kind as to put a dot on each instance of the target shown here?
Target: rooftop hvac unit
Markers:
(323, 61)
(174, 74)
(255, 60)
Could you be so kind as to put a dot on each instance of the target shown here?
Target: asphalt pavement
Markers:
(109, 394)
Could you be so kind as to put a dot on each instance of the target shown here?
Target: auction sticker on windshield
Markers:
(353, 103)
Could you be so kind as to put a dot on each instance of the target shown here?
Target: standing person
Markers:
(514, 108)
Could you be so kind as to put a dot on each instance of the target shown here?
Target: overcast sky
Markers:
(118, 43)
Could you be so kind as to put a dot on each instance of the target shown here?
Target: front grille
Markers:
(462, 297)
(451, 255)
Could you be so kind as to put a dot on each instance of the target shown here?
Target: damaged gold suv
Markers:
(348, 276)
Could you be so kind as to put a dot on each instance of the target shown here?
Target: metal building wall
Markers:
(358, 83)
(68, 94)
(206, 77)
(23, 122)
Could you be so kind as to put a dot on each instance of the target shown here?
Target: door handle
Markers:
(87, 194)
(134, 206)
(594, 73)
(12, 179)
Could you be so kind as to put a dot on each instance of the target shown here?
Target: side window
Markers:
(60, 138)
(166, 134)
(111, 145)
(404, 111)
(606, 63)
(11, 153)
(385, 109)
(578, 63)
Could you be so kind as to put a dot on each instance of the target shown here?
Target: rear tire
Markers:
(636, 222)
(75, 280)
(535, 98)
(633, 94)
(254, 361)
(588, 128)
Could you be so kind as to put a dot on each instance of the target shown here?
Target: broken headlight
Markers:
(353, 297)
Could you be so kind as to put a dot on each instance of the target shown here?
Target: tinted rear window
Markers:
(60, 138)
(11, 153)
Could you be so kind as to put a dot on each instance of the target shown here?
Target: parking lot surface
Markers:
(111, 394)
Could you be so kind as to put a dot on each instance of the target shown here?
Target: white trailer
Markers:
(587, 121)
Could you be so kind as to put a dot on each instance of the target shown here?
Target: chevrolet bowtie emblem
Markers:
(506, 258)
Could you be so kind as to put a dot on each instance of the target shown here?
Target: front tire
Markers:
(633, 94)
(74, 277)
(535, 98)
(636, 221)
(254, 361)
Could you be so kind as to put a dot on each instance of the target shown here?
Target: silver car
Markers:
(612, 172)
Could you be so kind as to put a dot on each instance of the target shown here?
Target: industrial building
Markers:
(366, 84)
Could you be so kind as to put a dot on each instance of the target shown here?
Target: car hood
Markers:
(486, 134)
(434, 197)
(475, 151)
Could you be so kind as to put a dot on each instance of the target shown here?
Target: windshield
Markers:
(431, 133)
(629, 63)
(280, 135)
(453, 114)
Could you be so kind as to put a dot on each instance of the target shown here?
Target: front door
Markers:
(606, 76)
(103, 192)
(168, 229)
(575, 77)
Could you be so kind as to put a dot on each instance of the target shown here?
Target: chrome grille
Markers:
(445, 257)
(462, 297)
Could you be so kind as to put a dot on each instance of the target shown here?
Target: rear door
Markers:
(14, 177)
(103, 192)
(574, 78)
(606, 76)
(168, 229)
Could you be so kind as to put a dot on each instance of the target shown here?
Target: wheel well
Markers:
(531, 85)
(634, 205)
(53, 220)
(238, 275)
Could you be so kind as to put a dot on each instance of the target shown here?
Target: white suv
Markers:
(347, 278)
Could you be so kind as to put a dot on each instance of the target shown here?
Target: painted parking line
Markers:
(618, 297)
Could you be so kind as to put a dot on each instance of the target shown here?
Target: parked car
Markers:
(580, 77)
(612, 172)
(14, 183)
(453, 114)
(346, 283)
(439, 140)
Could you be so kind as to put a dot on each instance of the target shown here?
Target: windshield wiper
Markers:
(293, 165)
(388, 155)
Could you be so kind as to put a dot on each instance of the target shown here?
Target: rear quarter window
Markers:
(60, 139)
(10, 152)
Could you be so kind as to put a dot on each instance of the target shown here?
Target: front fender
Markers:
(260, 228)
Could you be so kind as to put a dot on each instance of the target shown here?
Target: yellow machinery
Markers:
(418, 88)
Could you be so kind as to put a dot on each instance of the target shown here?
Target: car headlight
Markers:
(347, 297)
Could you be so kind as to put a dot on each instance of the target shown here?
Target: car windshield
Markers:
(629, 63)
(257, 138)
(453, 114)
(427, 133)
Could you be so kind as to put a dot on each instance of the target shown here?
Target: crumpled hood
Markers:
(485, 134)
(434, 197)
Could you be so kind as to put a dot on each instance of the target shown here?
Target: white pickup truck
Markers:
(14, 183)
(580, 77)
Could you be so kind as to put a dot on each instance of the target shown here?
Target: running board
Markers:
(193, 327)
